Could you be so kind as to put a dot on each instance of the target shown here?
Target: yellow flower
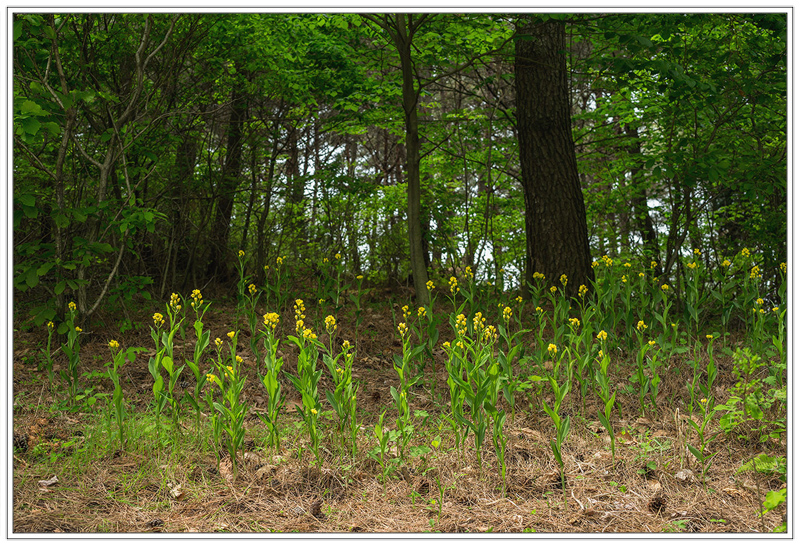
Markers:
(490, 334)
(271, 320)
(641, 274)
(595, 264)
(72, 306)
(783, 267)
(174, 302)
(651, 342)
(602, 335)
(279, 260)
(453, 285)
(321, 301)
(308, 334)
(760, 301)
(325, 260)
(627, 264)
(339, 371)
(625, 278)
(430, 285)
(600, 353)
(446, 344)
(252, 288)
(345, 346)
(582, 290)
(402, 328)
(405, 311)
(50, 325)
(78, 329)
(641, 326)
(211, 378)
(478, 322)
(552, 349)
(653, 264)
(239, 359)
(313, 411)
(421, 312)
(330, 324)
(574, 322)
(231, 335)
(608, 261)
(507, 312)
(709, 337)
(539, 309)
(776, 309)
(703, 400)
(158, 319)
(538, 276)
(241, 253)
(563, 280)
(755, 272)
(665, 287)
(468, 272)
(519, 299)
(691, 265)
(359, 277)
(338, 256)
(745, 252)
(113, 344)
(726, 263)
(299, 325)
(218, 342)
(553, 289)
(266, 268)
(696, 251)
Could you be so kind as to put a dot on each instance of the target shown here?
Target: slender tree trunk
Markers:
(555, 216)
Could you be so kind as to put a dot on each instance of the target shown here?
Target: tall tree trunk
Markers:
(555, 216)
(227, 189)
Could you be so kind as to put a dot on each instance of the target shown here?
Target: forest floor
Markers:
(653, 486)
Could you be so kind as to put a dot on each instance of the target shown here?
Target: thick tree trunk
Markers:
(555, 216)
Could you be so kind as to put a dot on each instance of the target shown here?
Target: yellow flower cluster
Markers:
(641, 326)
(696, 251)
(651, 342)
(299, 310)
(552, 349)
(627, 264)
(468, 273)
(197, 299)
(564, 280)
(602, 335)
(211, 378)
(539, 309)
(507, 312)
(745, 253)
(478, 323)
(709, 337)
(231, 335)
(595, 263)
(359, 277)
(538, 276)
(446, 345)
(490, 334)
(403, 329)
(50, 324)
(582, 290)
(308, 334)
(553, 289)
(726, 263)
(461, 324)
(345, 346)
(72, 306)
(338, 256)
(653, 264)
(175, 302)
(330, 324)
(519, 299)
(430, 285)
(755, 273)
(241, 253)
(760, 301)
(239, 359)
(453, 285)
(783, 267)
(606, 260)
(158, 320)
(271, 320)
(625, 278)
(78, 329)
(113, 344)
(574, 322)
(252, 288)
(218, 342)
(691, 265)
(279, 260)
(406, 313)
(422, 313)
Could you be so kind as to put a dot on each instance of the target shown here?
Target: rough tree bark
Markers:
(555, 216)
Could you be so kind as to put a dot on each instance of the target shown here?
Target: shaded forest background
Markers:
(150, 148)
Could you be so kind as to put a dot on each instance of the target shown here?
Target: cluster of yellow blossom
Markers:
(406, 313)
(72, 306)
(665, 287)
(239, 359)
(468, 273)
(446, 345)
(602, 335)
(745, 253)
(553, 289)
(625, 278)
(453, 285)
(158, 320)
(218, 342)
(726, 263)
(271, 320)
(299, 310)
(539, 309)
(338, 256)
(696, 251)
(538, 276)
(279, 260)
(582, 290)
(606, 260)
(197, 299)
(574, 322)
(595, 263)
(345, 346)
(252, 288)
(519, 299)
(507, 312)
(113, 344)
(50, 324)
(627, 264)
(691, 265)
(403, 329)
(359, 277)
(641, 326)
(783, 267)
(564, 280)
(651, 343)
(430, 285)
(490, 334)
(308, 334)
(461, 324)
(231, 335)
(755, 273)
(175, 302)
(653, 264)
(552, 349)
(330, 324)
(78, 328)
(478, 323)
(241, 253)
(422, 313)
